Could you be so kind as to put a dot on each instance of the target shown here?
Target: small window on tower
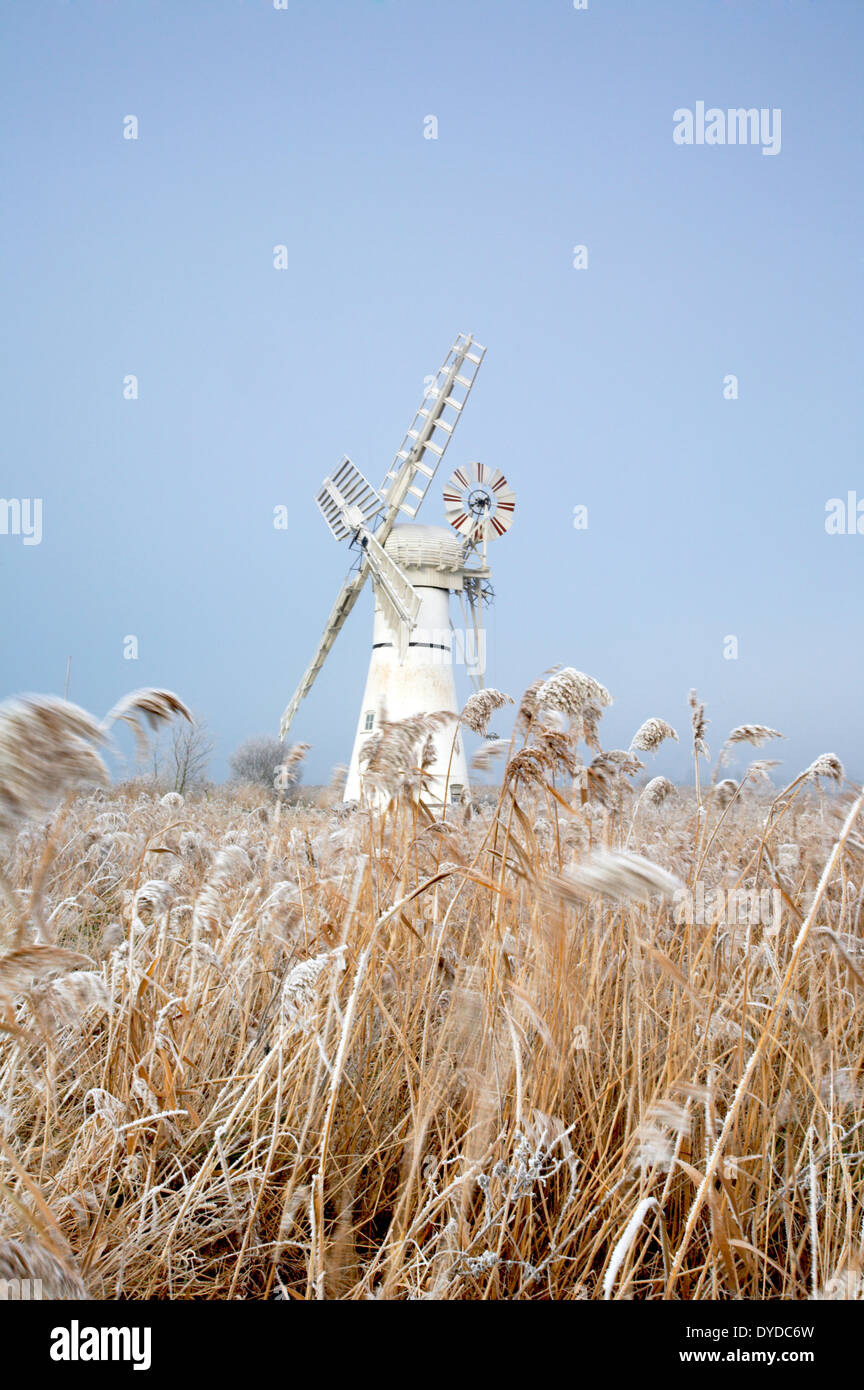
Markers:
(456, 793)
(369, 720)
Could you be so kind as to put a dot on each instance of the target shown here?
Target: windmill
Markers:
(414, 569)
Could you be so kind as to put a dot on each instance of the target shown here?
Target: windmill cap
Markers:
(418, 547)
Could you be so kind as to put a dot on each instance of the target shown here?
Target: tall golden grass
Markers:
(266, 1051)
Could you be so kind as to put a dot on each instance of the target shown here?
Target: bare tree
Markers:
(180, 760)
(256, 761)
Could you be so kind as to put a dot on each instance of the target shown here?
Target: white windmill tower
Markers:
(414, 569)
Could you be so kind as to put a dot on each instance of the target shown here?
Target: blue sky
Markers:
(601, 387)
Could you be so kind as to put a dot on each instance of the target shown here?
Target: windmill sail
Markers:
(345, 601)
(346, 500)
(392, 585)
(429, 433)
(351, 506)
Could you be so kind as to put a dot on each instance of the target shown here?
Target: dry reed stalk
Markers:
(762, 1042)
(479, 1103)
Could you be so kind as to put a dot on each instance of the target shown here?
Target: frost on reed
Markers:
(21, 969)
(286, 773)
(66, 1002)
(827, 766)
(485, 758)
(699, 725)
(617, 875)
(606, 777)
(153, 707)
(753, 733)
(302, 987)
(724, 792)
(580, 697)
(659, 1134)
(760, 770)
(657, 790)
(651, 734)
(399, 756)
(47, 749)
(375, 1054)
(480, 707)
